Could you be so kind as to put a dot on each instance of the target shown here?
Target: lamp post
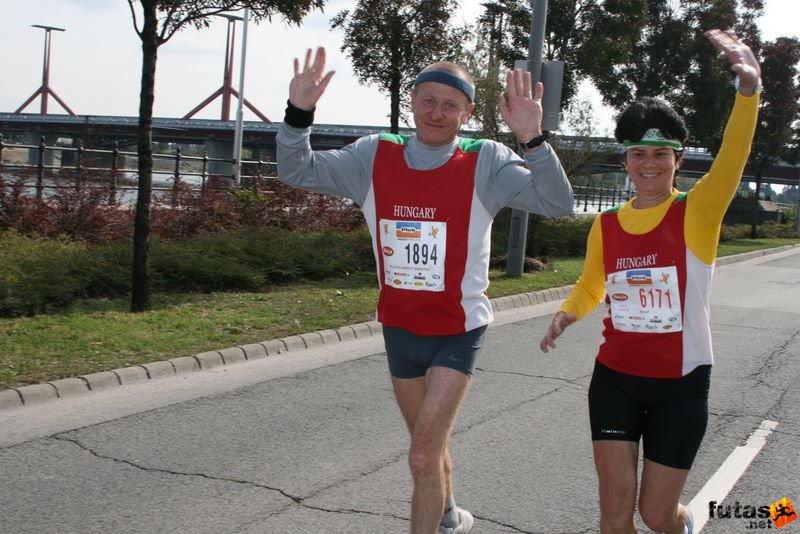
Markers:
(237, 138)
(797, 205)
(518, 234)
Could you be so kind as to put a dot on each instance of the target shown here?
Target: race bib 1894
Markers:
(413, 254)
(645, 300)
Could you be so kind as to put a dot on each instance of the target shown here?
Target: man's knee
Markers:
(425, 461)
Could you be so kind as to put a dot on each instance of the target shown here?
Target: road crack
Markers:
(296, 500)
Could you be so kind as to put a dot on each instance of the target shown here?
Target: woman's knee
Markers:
(617, 505)
(657, 517)
(616, 513)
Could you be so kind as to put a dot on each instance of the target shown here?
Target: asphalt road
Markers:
(312, 442)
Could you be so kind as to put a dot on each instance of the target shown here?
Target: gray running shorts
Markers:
(410, 355)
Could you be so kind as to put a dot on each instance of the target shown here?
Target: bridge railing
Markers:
(39, 168)
(594, 199)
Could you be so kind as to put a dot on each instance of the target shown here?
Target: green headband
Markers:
(653, 137)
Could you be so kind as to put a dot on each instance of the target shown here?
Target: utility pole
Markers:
(237, 138)
(797, 205)
(551, 75)
(44, 90)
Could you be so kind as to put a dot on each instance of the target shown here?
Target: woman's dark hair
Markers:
(647, 113)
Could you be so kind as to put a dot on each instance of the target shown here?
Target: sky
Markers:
(95, 65)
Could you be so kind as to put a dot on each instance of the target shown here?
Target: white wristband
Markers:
(756, 90)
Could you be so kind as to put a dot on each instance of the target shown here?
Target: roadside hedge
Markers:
(47, 274)
(41, 275)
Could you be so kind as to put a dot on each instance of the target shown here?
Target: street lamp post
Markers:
(551, 74)
(237, 138)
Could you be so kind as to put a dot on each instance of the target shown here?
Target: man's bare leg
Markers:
(429, 406)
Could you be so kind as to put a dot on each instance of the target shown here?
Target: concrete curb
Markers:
(81, 385)
(752, 254)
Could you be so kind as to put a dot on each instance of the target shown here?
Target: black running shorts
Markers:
(411, 355)
(668, 414)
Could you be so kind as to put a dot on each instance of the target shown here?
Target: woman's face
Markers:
(652, 170)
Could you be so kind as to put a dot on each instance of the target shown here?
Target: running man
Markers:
(429, 200)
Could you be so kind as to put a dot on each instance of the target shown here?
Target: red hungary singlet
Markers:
(422, 233)
(645, 293)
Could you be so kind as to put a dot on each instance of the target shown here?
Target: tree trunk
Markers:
(754, 215)
(394, 105)
(395, 84)
(140, 293)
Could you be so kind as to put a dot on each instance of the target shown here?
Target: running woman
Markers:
(653, 259)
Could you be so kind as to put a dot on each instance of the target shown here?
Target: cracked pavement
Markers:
(313, 443)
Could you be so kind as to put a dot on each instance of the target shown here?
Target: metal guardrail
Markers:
(593, 199)
(193, 171)
(88, 163)
(109, 168)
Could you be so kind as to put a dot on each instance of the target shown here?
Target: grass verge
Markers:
(99, 335)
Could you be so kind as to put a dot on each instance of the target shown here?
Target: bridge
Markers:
(218, 135)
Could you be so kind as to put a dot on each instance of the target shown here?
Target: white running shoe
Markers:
(689, 522)
(464, 526)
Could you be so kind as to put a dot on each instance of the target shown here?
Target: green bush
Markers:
(39, 274)
(108, 269)
(770, 229)
(47, 274)
(562, 236)
(334, 253)
(201, 264)
(254, 258)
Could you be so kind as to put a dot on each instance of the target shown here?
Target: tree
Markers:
(779, 111)
(390, 41)
(482, 62)
(592, 38)
(493, 51)
(506, 26)
(580, 151)
(706, 97)
(156, 21)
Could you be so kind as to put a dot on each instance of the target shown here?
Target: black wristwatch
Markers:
(536, 141)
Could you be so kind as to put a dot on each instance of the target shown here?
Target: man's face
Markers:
(439, 112)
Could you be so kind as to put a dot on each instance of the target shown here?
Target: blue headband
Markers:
(446, 78)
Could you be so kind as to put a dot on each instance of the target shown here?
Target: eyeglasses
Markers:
(429, 104)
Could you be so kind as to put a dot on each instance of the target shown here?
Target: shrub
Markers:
(251, 258)
(561, 236)
(82, 207)
(39, 274)
(769, 229)
(74, 206)
(44, 274)
(201, 265)
(108, 270)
